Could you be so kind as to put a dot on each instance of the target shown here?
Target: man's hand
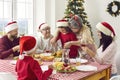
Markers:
(16, 48)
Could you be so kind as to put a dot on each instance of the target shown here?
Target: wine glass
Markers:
(83, 42)
(78, 58)
(65, 59)
(47, 48)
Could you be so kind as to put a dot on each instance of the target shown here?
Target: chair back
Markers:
(117, 77)
(7, 76)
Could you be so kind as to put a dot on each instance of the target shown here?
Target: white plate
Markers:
(84, 61)
(78, 60)
(13, 62)
(45, 54)
(86, 68)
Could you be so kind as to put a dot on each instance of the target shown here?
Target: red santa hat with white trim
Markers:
(27, 45)
(106, 28)
(11, 26)
(42, 26)
(62, 23)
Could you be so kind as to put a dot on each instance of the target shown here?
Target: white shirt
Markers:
(43, 44)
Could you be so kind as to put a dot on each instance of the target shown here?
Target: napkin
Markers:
(44, 67)
(13, 62)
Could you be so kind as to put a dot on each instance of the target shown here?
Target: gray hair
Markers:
(76, 21)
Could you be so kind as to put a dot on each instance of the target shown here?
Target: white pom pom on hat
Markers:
(42, 26)
(27, 45)
(11, 26)
(106, 28)
(63, 23)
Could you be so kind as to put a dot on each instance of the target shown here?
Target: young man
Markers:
(9, 43)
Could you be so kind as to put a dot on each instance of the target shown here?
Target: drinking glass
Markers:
(78, 58)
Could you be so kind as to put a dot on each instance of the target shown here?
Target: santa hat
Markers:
(63, 23)
(11, 26)
(27, 45)
(106, 28)
(42, 26)
(76, 21)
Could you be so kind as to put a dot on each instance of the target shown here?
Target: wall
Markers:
(55, 11)
(96, 11)
(37, 12)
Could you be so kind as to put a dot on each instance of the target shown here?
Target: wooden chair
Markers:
(118, 63)
(7, 76)
(117, 77)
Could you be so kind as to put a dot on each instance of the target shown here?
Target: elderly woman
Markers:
(83, 35)
(43, 41)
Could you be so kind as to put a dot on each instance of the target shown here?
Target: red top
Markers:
(29, 69)
(6, 46)
(66, 38)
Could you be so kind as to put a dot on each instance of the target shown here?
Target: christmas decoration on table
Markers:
(114, 8)
(64, 66)
(75, 7)
(61, 67)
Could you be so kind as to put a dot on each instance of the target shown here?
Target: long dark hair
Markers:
(68, 29)
(105, 41)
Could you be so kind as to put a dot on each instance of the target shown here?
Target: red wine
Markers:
(83, 45)
(65, 64)
(47, 51)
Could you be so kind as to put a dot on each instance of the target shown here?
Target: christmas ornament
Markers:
(114, 8)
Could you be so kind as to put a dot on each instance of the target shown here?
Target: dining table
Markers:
(102, 71)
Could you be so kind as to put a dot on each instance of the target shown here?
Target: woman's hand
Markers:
(53, 41)
(88, 51)
(67, 44)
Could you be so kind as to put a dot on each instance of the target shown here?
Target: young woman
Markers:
(106, 52)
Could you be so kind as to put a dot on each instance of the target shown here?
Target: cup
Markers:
(78, 61)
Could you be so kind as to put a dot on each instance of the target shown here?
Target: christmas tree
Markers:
(75, 7)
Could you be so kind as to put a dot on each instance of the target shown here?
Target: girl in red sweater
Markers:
(66, 35)
(27, 68)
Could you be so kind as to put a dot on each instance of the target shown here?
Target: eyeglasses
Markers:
(46, 29)
(74, 28)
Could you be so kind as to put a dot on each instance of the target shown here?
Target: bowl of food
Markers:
(37, 56)
(46, 57)
(57, 53)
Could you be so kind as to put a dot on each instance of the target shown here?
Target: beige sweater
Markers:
(107, 56)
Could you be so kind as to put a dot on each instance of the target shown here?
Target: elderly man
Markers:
(9, 43)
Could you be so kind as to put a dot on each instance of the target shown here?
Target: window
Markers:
(19, 10)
